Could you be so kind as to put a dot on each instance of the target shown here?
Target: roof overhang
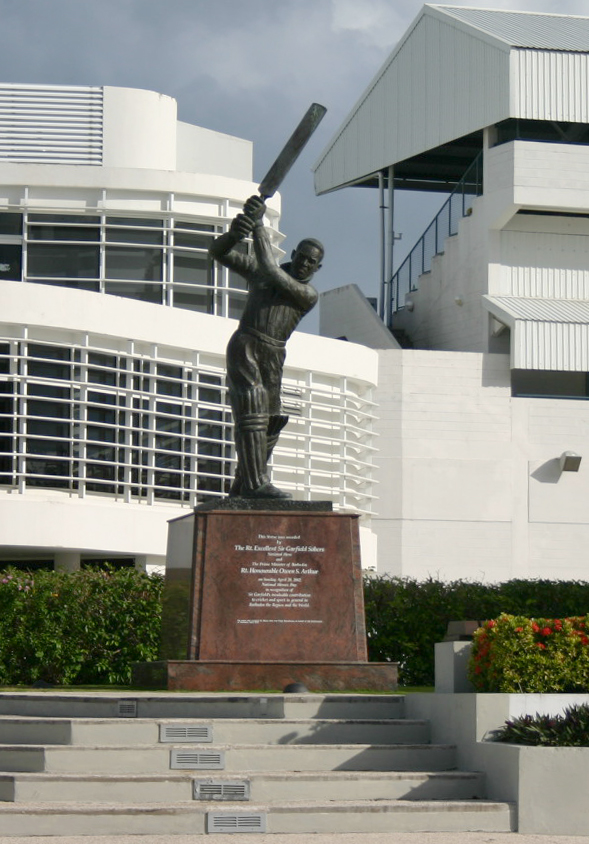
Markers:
(551, 334)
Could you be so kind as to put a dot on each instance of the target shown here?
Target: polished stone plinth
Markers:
(260, 598)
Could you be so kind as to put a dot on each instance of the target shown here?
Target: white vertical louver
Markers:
(50, 124)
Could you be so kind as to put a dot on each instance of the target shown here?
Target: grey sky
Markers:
(248, 69)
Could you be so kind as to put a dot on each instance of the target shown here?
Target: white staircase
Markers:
(92, 764)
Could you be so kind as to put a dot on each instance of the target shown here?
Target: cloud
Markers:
(378, 23)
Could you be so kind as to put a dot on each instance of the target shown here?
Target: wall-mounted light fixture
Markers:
(570, 461)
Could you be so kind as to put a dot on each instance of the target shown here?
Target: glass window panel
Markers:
(195, 227)
(103, 398)
(168, 423)
(165, 407)
(52, 232)
(99, 359)
(36, 350)
(48, 390)
(101, 452)
(133, 263)
(192, 241)
(46, 369)
(209, 394)
(135, 290)
(102, 414)
(56, 448)
(11, 224)
(104, 435)
(48, 467)
(169, 371)
(193, 299)
(48, 429)
(47, 408)
(63, 261)
(168, 388)
(134, 221)
(135, 236)
(191, 269)
(102, 376)
(168, 461)
(10, 261)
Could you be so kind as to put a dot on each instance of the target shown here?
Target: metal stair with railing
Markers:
(74, 764)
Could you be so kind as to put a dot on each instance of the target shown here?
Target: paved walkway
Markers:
(340, 838)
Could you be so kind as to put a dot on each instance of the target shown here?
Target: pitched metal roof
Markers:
(532, 30)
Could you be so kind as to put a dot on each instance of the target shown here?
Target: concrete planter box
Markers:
(549, 785)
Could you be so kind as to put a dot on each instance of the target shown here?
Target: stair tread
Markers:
(209, 747)
(198, 807)
(232, 775)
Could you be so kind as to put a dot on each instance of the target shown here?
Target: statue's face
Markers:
(305, 261)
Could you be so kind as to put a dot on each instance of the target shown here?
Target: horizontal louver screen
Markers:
(51, 125)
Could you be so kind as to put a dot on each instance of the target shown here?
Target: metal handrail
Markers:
(431, 242)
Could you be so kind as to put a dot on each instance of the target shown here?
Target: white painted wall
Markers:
(139, 129)
(468, 483)
(204, 151)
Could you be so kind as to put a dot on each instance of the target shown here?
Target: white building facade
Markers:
(114, 321)
(483, 380)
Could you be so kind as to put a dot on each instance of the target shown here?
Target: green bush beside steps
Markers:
(84, 627)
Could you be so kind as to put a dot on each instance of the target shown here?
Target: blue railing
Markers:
(431, 243)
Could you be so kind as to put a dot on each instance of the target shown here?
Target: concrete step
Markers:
(115, 731)
(267, 787)
(62, 819)
(61, 704)
(287, 757)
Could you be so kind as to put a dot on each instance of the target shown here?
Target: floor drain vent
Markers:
(221, 790)
(194, 760)
(127, 709)
(186, 732)
(232, 822)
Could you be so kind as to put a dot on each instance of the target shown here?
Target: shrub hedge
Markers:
(88, 627)
(406, 617)
(519, 654)
(84, 627)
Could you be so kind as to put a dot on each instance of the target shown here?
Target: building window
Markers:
(89, 421)
(539, 383)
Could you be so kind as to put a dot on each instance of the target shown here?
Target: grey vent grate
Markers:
(232, 822)
(221, 790)
(186, 732)
(195, 760)
(127, 708)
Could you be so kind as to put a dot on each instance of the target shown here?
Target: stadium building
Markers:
(483, 416)
(113, 326)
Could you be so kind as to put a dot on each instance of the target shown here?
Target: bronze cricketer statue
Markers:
(278, 298)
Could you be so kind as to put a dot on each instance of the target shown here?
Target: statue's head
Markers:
(306, 259)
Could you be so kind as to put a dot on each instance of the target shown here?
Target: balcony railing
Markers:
(431, 243)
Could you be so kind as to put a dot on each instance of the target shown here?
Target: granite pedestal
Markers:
(258, 596)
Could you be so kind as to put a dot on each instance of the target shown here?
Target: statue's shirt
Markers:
(276, 301)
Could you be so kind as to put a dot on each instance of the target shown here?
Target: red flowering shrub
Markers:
(517, 654)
